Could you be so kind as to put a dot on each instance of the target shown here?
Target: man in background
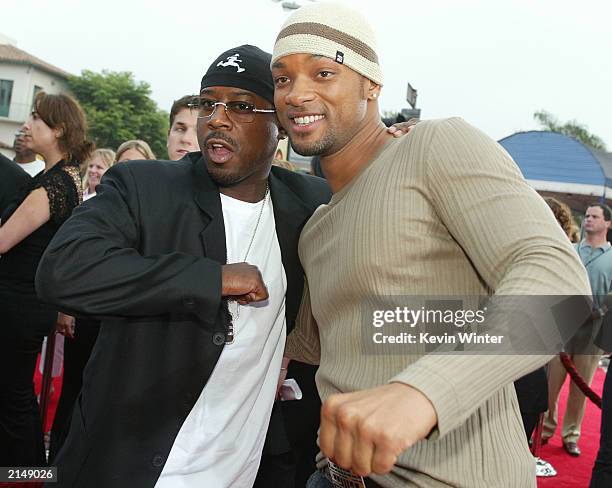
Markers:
(596, 255)
(25, 157)
(182, 134)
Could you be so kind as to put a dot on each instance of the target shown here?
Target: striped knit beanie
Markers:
(332, 30)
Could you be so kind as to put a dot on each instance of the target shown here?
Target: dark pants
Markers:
(21, 437)
(291, 442)
(602, 470)
(530, 421)
(76, 355)
(532, 395)
(318, 480)
(276, 470)
(302, 419)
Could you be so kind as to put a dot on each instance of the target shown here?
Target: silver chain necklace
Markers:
(261, 209)
(229, 339)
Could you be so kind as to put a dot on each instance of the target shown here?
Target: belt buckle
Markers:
(341, 478)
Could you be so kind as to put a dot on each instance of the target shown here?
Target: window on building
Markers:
(6, 91)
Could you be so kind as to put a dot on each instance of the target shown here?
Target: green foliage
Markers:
(571, 128)
(118, 109)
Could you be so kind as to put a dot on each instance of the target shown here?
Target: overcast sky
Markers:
(492, 62)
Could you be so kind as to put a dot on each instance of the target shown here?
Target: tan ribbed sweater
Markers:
(442, 211)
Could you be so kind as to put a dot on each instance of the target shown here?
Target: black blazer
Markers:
(145, 256)
(12, 178)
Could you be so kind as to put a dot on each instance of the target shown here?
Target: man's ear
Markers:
(373, 90)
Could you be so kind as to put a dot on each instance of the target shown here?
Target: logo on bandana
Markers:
(339, 57)
(232, 61)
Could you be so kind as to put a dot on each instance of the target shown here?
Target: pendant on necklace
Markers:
(229, 334)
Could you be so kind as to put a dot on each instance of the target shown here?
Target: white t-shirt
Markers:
(34, 167)
(219, 444)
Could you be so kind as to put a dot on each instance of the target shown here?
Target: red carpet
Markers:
(574, 472)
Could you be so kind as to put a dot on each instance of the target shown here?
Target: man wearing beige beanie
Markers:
(441, 212)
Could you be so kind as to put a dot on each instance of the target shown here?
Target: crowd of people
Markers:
(202, 295)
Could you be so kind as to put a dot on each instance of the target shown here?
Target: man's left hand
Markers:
(367, 430)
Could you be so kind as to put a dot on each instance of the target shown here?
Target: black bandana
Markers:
(246, 67)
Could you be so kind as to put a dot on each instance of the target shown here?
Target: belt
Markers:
(342, 478)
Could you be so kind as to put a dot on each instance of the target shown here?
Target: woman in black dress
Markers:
(57, 130)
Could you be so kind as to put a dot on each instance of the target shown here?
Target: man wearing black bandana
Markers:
(192, 267)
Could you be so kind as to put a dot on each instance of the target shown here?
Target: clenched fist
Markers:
(243, 282)
(367, 430)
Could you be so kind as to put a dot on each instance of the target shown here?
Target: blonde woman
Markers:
(134, 149)
(99, 162)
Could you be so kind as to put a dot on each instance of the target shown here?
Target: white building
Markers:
(22, 76)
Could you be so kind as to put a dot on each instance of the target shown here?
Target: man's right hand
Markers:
(243, 282)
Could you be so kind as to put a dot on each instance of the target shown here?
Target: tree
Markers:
(571, 128)
(118, 109)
